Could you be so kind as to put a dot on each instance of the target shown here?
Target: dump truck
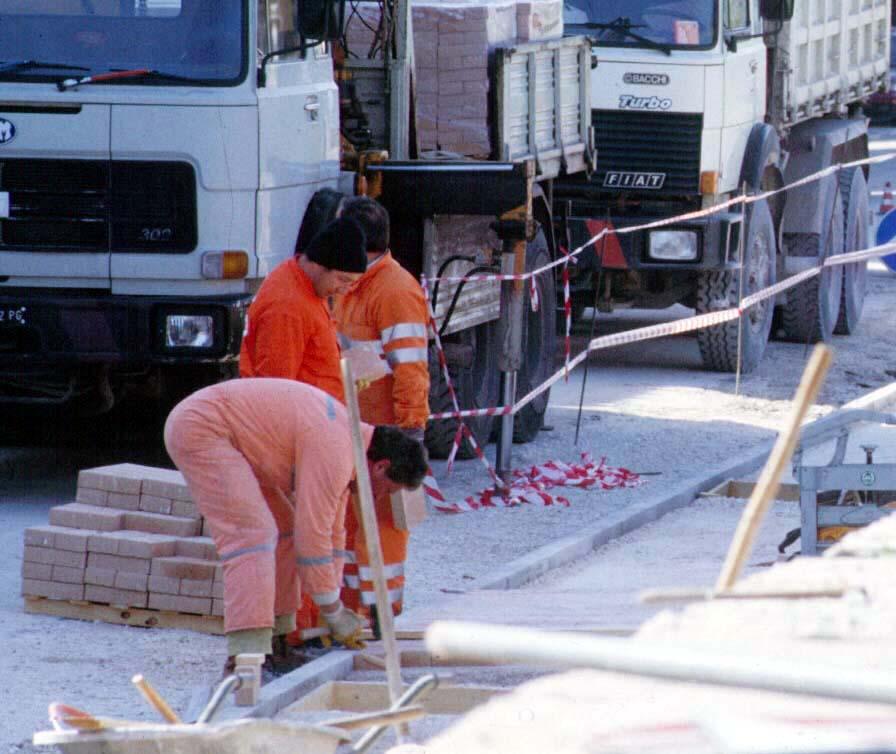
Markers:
(157, 158)
(698, 101)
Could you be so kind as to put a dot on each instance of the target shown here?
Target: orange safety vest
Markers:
(386, 310)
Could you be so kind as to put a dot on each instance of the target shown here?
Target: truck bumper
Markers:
(717, 239)
(63, 328)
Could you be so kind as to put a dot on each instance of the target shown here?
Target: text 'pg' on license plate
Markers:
(13, 315)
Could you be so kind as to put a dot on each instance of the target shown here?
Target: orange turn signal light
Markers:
(709, 182)
(225, 265)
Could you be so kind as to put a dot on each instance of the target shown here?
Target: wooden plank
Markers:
(360, 696)
(94, 611)
(534, 608)
(742, 489)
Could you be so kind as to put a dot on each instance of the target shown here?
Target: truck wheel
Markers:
(854, 191)
(720, 290)
(812, 308)
(539, 341)
(474, 374)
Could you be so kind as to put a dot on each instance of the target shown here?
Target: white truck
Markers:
(157, 158)
(696, 101)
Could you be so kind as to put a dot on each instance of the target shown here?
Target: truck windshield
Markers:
(644, 23)
(201, 41)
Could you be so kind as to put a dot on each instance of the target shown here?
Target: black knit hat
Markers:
(340, 245)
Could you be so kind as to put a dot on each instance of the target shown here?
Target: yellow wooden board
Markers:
(124, 616)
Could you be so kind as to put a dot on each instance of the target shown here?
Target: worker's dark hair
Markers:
(406, 456)
(321, 210)
(372, 217)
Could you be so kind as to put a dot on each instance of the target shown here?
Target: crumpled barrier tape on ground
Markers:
(532, 485)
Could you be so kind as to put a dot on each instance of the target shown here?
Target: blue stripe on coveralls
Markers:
(323, 560)
(406, 356)
(331, 408)
(270, 547)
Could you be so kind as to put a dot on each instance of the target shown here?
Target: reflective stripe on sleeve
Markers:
(406, 356)
(403, 330)
(369, 598)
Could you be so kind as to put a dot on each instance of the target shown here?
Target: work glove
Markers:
(345, 626)
(367, 365)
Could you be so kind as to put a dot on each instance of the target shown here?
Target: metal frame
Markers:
(836, 475)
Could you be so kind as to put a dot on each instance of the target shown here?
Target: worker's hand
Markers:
(367, 365)
(345, 626)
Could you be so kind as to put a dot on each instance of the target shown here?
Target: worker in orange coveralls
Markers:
(385, 311)
(289, 332)
(234, 440)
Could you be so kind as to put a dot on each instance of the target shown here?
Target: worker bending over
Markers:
(289, 331)
(385, 311)
(269, 463)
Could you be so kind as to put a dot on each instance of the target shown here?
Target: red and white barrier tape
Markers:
(695, 215)
(567, 313)
(532, 485)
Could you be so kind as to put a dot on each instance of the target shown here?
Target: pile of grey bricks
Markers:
(133, 538)
(452, 44)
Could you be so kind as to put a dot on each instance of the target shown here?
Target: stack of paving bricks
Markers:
(134, 541)
(452, 43)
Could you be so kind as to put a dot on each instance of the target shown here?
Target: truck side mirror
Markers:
(776, 10)
(321, 20)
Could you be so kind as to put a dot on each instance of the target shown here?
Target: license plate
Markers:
(13, 315)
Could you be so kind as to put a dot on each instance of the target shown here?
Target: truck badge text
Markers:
(630, 102)
(646, 79)
(625, 180)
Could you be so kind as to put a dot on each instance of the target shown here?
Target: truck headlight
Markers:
(674, 245)
(189, 331)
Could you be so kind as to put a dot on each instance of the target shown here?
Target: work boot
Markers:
(285, 658)
(268, 673)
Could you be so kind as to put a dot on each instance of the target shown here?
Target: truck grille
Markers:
(98, 206)
(648, 144)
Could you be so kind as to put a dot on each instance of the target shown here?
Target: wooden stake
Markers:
(152, 696)
(372, 537)
(767, 486)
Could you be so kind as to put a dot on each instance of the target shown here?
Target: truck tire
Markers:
(720, 290)
(854, 190)
(476, 386)
(539, 343)
(812, 308)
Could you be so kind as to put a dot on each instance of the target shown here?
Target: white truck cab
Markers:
(156, 158)
(695, 101)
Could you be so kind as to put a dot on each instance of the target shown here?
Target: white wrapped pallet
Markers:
(838, 53)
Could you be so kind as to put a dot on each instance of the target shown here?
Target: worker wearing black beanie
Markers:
(340, 245)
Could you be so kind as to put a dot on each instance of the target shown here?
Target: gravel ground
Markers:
(649, 408)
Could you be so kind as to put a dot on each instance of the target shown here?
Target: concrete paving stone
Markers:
(66, 575)
(124, 501)
(53, 590)
(119, 477)
(197, 547)
(184, 509)
(38, 571)
(41, 536)
(135, 582)
(156, 523)
(183, 568)
(218, 607)
(163, 584)
(196, 587)
(180, 604)
(104, 542)
(115, 597)
(140, 544)
(118, 563)
(90, 496)
(99, 576)
(52, 556)
(218, 590)
(155, 504)
(80, 516)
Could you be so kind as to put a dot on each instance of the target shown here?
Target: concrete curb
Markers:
(559, 553)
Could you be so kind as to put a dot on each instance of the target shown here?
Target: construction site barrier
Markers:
(678, 327)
